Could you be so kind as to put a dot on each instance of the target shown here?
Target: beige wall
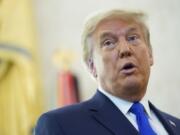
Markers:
(59, 25)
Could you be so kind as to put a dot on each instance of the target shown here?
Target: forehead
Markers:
(116, 26)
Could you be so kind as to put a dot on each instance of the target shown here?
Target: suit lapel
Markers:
(168, 124)
(110, 117)
(107, 114)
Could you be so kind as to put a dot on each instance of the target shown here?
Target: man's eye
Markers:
(132, 38)
(108, 43)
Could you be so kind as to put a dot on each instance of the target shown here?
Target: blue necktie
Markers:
(142, 119)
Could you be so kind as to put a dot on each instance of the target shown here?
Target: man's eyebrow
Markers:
(106, 34)
(132, 29)
(110, 34)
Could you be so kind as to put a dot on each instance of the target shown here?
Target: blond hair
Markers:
(92, 22)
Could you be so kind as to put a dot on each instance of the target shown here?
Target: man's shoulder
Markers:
(166, 116)
(58, 119)
(67, 110)
(75, 110)
(171, 117)
(67, 113)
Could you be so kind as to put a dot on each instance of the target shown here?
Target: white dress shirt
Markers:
(124, 107)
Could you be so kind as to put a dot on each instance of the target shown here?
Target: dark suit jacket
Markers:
(97, 116)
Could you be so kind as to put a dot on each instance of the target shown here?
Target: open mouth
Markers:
(128, 68)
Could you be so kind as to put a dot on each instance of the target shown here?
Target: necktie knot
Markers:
(137, 108)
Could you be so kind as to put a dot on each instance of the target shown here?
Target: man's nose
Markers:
(124, 49)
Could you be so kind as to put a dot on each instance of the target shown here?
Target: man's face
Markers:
(121, 59)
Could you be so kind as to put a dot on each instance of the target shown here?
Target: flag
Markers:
(67, 88)
(20, 85)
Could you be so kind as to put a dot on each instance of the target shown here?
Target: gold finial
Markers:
(63, 58)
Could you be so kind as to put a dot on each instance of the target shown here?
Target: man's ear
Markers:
(92, 67)
(151, 58)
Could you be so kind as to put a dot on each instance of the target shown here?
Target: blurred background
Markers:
(41, 66)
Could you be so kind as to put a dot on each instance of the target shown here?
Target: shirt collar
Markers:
(145, 103)
(121, 104)
(124, 105)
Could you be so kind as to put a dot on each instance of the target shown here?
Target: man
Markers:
(118, 53)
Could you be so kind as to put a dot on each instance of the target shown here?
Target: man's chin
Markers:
(131, 82)
(134, 90)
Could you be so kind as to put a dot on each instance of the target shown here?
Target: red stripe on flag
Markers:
(67, 90)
